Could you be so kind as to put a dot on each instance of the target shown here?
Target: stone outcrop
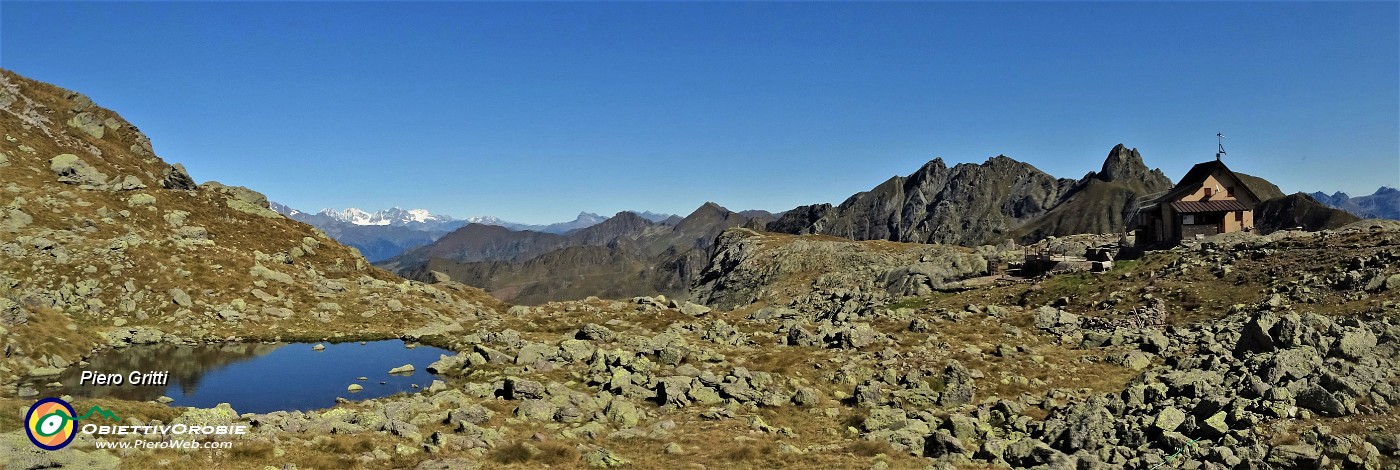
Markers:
(834, 277)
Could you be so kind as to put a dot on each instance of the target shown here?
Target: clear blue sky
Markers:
(534, 112)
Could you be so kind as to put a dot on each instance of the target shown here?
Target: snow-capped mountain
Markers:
(284, 210)
(395, 216)
(383, 234)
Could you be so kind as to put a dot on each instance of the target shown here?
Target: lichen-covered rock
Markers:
(88, 123)
(604, 458)
(1168, 419)
(1294, 456)
(242, 199)
(1356, 343)
(220, 415)
(180, 298)
(595, 332)
(536, 410)
(957, 385)
(73, 170)
(19, 452)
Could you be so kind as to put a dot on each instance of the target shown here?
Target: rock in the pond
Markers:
(403, 369)
(354, 388)
(318, 347)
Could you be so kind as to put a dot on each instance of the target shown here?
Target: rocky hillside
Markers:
(973, 204)
(625, 256)
(825, 276)
(1245, 351)
(106, 244)
(1299, 211)
(1383, 204)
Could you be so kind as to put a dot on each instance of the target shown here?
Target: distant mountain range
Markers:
(387, 233)
(967, 204)
(626, 255)
(1384, 204)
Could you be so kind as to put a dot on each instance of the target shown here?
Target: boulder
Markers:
(1215, 426)
(138, 200)
(604, 458)
(220, 415)
(1168, 419)
(594, 332)
(472, 414)
(73, 170)
(884, 417)
(1051, 318)
(1294, 456)
(128, 183)
(241, 199)
(175, 177)
(1254, 337)
(1355, 343)
(1030, 452)
(623, 413)
(521, 389)
(180, 298)
(942, 443)
(88, 123)
(1318, 399)
(448, 364)
(694, 309)
(957, 385)
(536, 410)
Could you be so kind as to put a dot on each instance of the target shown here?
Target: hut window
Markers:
(1209, 191)
(1239, 216)
(1230, 191)
(1188, 219)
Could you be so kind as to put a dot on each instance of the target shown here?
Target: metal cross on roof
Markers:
(1220, 143)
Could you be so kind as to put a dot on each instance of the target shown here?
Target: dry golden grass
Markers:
(535, 454)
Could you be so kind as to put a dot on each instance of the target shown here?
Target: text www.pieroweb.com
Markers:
(163, 444)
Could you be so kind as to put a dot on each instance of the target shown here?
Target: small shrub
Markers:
(514, 453)
(872, 448)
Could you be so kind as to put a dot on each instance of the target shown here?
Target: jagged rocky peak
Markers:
(1125, 164)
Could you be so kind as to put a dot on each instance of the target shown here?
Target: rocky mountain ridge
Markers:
(1383, 204)
(971, 204)
(626, 255)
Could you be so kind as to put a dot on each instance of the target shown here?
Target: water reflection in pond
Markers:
(255, 378)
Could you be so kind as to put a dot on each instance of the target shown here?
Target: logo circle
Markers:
(50, 424)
